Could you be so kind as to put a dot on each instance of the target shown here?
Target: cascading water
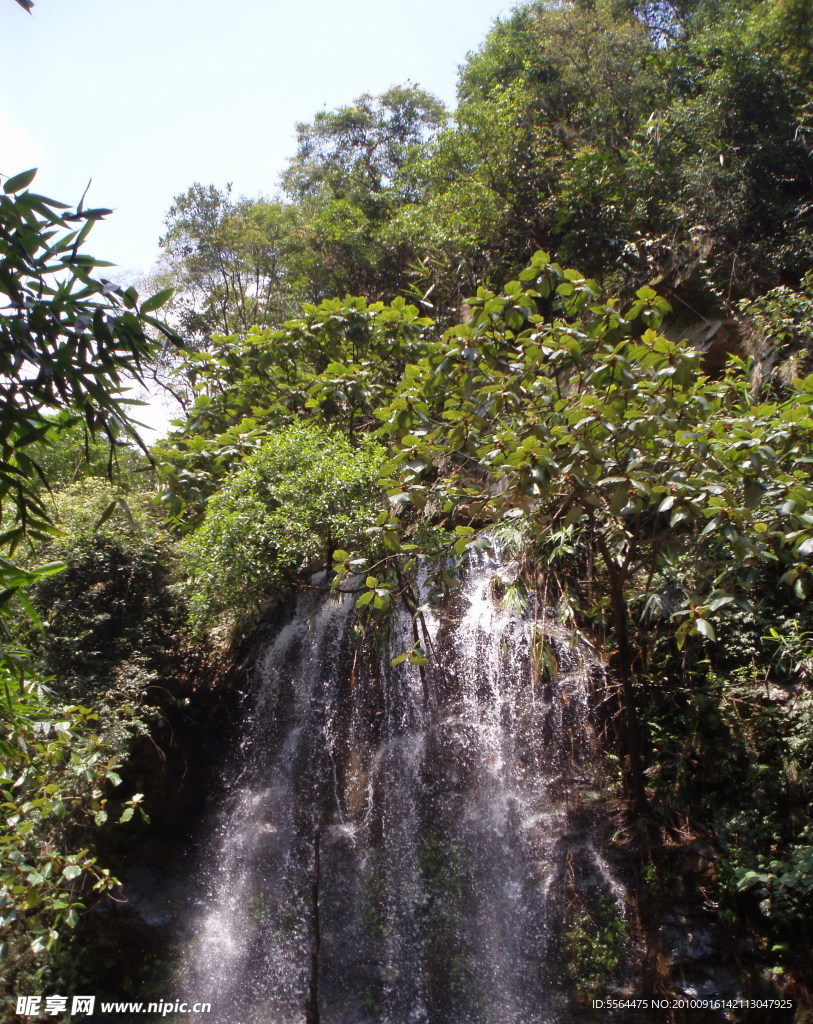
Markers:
(399, 849)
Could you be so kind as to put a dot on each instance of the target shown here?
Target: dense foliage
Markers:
(68, 339)
(69, 343)
(662, 502)
(303, 493)
(657, 491)
(641, 142)
(664, 487)
(334, 364)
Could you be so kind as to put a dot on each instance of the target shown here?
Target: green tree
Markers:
(334, 364)
(227, 260)
(347, 181)
(615, 136)
(249, 262)
(729, 150)
(69, 339)
(554, 92)
(583, 418)
(279, 515)
(71, 342)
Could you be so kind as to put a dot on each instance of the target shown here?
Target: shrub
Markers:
(305, 492)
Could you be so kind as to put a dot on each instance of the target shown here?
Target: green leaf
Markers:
(20, 181)
(30, 610)
(108, 512)
(157, 300)
(49, 569)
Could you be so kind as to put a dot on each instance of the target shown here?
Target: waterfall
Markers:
(388, 859)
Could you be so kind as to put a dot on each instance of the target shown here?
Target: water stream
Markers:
(388, 859)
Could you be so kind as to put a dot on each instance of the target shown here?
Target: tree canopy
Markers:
(659, 144)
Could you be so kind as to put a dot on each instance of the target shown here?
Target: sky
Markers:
(145, 97)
